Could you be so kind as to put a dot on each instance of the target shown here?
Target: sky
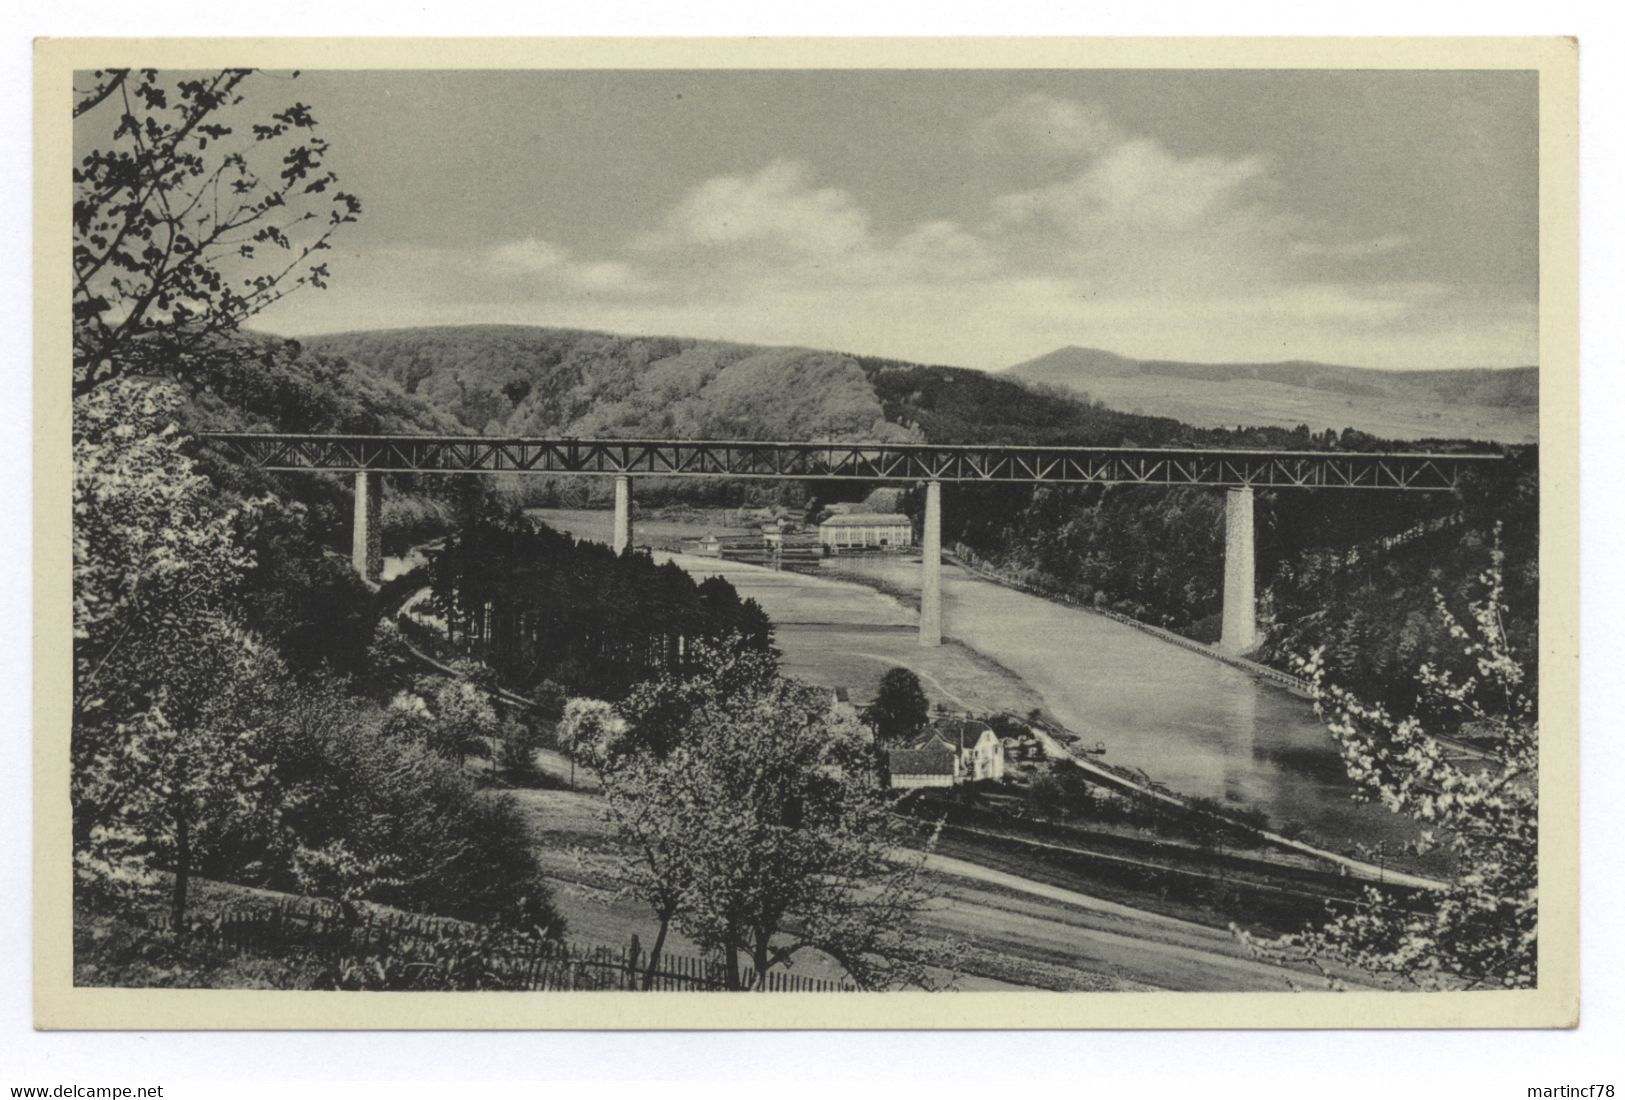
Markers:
(970, 218)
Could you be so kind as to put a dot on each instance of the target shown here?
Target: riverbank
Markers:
(1295, 684)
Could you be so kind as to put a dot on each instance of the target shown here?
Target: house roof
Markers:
(964, 732)
(868, 519)
(927, 761)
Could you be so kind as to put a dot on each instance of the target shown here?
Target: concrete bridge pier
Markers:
(621, 540)
(366, 550)
(1239, 633)
(931, 567)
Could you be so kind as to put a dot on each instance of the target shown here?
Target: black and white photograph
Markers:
(802, 526)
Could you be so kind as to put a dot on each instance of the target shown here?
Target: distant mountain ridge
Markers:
(1499, 405)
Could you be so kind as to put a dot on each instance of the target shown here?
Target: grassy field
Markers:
(854, 658)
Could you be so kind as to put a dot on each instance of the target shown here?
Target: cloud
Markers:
(779, 227)
(535, 264)
(776, 209)
(1138, 184)
(1135, 216)
(1048, 126)
(528, 255)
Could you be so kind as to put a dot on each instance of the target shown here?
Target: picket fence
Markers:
(503, 961)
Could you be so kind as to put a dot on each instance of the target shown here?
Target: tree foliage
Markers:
(1483, 808)
(170, 695)
(761, 834)
(535, 605)
(900, 708)
(372, 810)
(192, 212)
(464, 718)
(1342, 584)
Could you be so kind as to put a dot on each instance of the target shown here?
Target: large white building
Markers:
(861, 530)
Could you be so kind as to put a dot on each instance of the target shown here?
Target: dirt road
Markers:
(1011, 932)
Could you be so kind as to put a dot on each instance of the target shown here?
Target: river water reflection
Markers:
(1198, 725)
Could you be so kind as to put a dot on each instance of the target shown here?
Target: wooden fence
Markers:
(464, 955)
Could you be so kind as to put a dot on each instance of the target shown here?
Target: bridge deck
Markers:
(857, 461)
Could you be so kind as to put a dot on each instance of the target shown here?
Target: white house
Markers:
(857, 530)
(980, 752)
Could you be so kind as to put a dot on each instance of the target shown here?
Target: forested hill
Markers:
(270, 384)
(1498, 405)
(519, 380)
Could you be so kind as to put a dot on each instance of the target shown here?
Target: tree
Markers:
(1481, 928)
(760, 832)
(642, 794)
(658, 712)
(900, 707)
(191, 213)
(370, 812)
(187, 773)
(464, 721)
(590, 731)
(169, 693)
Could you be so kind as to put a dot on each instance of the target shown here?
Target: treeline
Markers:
(271, 384)
(952, 405)
(521, 380)
(539, 607)
(298, 591)
(237, 713)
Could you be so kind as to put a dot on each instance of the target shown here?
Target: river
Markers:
(1201, 727)
(1198, 725)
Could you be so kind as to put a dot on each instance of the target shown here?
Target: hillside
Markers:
(524, 380)
(271, 384)
(1500, 406)
(532, 381)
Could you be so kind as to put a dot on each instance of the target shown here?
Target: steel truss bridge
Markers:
(930, 462)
